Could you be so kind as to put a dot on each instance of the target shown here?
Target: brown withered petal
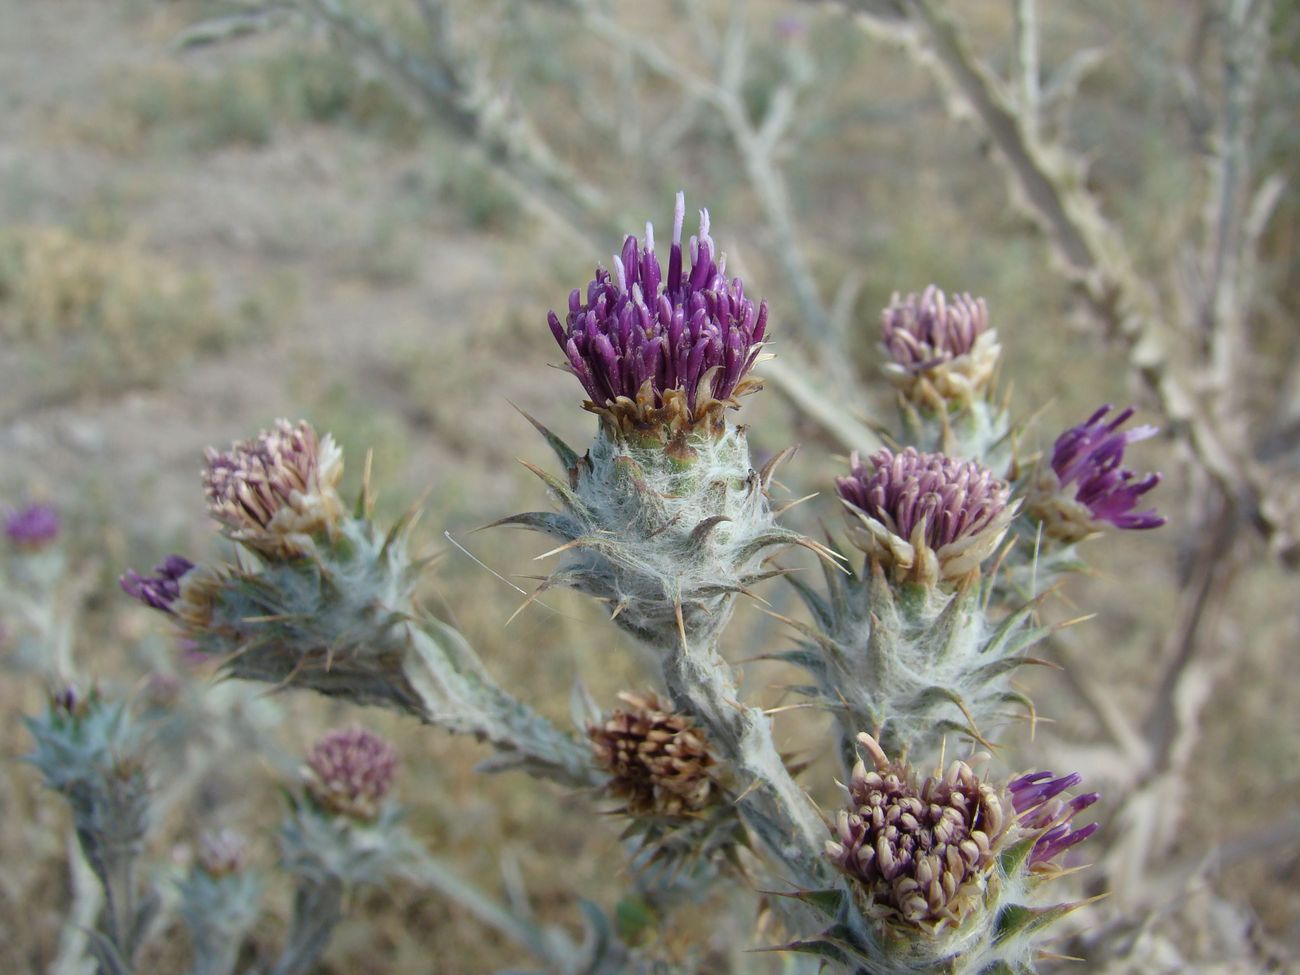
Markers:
(659, 762)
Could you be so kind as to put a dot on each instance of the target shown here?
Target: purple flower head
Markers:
(1040, 806)
(641, 334)
(32, 527)
(920, 850)
(1089, 456)
(350, 771)
(160, 590)
(911, 502)
(921, 331)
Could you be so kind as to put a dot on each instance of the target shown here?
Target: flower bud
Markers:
(33, 527)
(942, 351)
(222, 852)
(350, 771)
(277, 490)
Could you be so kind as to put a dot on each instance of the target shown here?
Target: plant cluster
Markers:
(932, 864)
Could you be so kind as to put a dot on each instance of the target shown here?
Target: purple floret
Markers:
(1089, 456)
(163, 588)
(33, 526)
(638, 326)
(1036, 798)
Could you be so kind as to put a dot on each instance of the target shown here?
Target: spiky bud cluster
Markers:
(660, 356)
(276, 491)
(1085, 488)
(350, 771)
(90, 751)
(926, 516)
(919, 853)
(32, 527)
(658, 761)
(941, 349)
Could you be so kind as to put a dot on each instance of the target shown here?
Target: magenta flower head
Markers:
(1086, 487)
(350, 771)
(919, 852)
(1040, 807)
(941, 349)
(656, 351)
(162, 589)
(926, 516)
(32, 527)
(277, 490)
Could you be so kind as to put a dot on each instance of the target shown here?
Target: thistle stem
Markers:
(771, 802)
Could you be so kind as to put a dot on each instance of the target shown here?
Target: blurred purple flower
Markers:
(223, 852)
(350, 771)
(1090, 454)
(33, 526)
(1037, 798)
(693, 330)
(163, 588)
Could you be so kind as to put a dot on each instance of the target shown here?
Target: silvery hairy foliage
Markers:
(932, 864)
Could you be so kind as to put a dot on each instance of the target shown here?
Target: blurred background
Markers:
(212, 216)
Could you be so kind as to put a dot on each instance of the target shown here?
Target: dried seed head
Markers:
(223, 852)
(32, 527)
(350, 771)
(275, 491)
(920, 853)
(162, 589)
(658, 761)
(1086, 488)
(941, 349)
(1040, 807)
(926, 515)
(656, 352)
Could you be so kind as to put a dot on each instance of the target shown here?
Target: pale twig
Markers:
(1026, 62)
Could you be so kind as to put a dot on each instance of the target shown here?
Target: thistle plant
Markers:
(90, 751)
(327, 602)
(946, 873)
(905, 646)
(341, 832)
(664, 519)
(219, 901)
